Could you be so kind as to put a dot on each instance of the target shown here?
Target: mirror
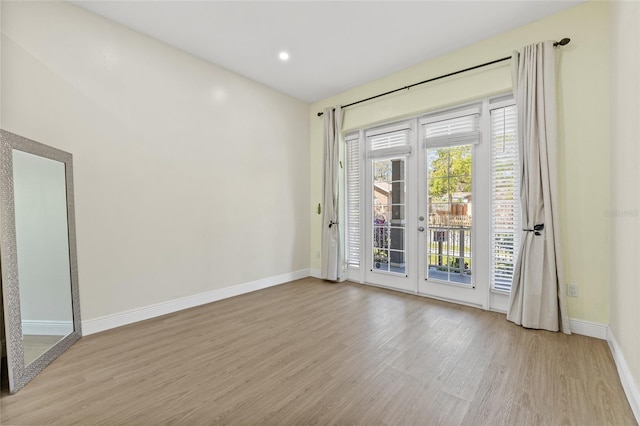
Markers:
(37, 256)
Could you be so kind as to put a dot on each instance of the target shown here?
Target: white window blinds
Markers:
(352, 153)
(505, 196)
(462, 130)
(389, 140)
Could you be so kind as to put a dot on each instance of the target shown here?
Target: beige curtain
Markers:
(332, 256)
(538, 294)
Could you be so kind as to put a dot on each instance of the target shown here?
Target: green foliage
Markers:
(449, 170)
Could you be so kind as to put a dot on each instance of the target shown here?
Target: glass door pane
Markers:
(449, 201)
(388, 211)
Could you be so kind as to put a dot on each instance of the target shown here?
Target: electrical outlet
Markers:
(572, 290)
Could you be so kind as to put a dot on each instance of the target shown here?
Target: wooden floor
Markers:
(310, 352)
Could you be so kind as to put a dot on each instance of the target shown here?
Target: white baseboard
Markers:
(628, 382)
(140, 314)
(587, 328)
(315, 273)
(46, 328)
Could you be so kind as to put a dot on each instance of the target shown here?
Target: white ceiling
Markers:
(334, 45)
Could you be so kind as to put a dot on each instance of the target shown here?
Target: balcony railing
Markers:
(448, 247)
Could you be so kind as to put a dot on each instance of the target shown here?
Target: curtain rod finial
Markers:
(562, 42)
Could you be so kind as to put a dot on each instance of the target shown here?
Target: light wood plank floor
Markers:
(310, 352)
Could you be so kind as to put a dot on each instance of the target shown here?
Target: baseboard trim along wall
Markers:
(626, 378)
(587, 328)
(46, 328)
(628, 382)
(140, 314)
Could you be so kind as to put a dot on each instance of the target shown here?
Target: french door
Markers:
(420, 212)
(390, 208)
(452, 197)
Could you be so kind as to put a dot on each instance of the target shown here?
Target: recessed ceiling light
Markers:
(284, 56)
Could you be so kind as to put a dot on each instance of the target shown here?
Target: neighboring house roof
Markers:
(383, 187)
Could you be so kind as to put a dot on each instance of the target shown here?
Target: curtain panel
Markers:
(538, 297)
(333, 262)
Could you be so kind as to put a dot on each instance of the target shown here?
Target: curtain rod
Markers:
(562, 42)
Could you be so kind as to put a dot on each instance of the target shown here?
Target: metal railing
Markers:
(448, 246)
(449, 249)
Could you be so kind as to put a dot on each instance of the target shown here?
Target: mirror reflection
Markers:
(42, 244)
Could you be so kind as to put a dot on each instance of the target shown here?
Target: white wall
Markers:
(624, 214)
(188, 178)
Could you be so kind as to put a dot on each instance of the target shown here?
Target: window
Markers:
(505, 196)
(352, 154)
(388, 209)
